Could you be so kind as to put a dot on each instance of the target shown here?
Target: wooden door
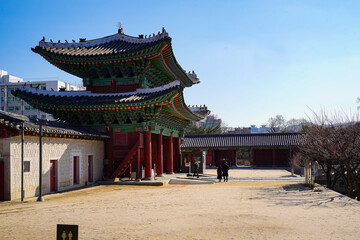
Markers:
(53, 180)
(75, 176)
(90, 168)
(263, 157)
(2, 181)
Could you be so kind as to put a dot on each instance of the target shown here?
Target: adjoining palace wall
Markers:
(62, 150)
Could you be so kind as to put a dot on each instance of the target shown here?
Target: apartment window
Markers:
(33, 116)
(27, 107)
(17, 107)
(10, 99)
(43, 117)
(26, 166)
(11, 108)
(2, 89)
(17, 99)
(10, 89)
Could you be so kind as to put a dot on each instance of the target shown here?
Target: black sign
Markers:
(67, 232)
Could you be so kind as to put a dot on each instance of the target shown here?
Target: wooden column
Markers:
(177, 150)
(138, 164)
(170, 155)
(147, 161)
(159, 160)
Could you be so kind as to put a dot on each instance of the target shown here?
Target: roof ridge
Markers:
(241, 135)
(118, 36)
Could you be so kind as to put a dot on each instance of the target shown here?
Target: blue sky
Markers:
(255, 59)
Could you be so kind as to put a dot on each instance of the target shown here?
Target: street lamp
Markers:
(22, 161)
(40, 198)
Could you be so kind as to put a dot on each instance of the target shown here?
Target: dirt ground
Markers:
(233, 210)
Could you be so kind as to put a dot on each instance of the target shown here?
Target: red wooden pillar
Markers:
(147, 161)
(177, 149)
(159, 160)
(213, 157)
(170, 154)
(138, 163)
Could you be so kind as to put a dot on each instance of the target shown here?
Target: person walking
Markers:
(196, 172)
(225, 170)
(219, 172)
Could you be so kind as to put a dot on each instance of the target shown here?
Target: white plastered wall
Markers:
(60, 149)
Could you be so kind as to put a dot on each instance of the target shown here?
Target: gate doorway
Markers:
(90, 168)
(2, 181)
(53, 176)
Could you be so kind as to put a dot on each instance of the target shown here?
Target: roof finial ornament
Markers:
(153, 34)
(120, 28)
(73, 40)
(66, 41)
(163, 30)
(43, 39)
(51, 40)
(59, 41)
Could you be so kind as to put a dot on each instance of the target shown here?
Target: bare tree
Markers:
(276, 124)
(279, 124)
(296, 125)
(334, 142)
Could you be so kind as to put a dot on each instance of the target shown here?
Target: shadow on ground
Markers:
(302, 194)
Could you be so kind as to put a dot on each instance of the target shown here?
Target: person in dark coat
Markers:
(225, 170)
(196, 172)
(219, 173)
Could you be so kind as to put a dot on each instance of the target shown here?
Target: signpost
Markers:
(67, 232)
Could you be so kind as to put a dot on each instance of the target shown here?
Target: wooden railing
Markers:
(124, 165)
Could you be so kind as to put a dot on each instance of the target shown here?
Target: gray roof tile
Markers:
(241, 140)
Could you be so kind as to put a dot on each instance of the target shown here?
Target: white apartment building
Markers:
(12, 104)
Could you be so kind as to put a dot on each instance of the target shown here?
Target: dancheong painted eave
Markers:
(146, 57)
(169, 97)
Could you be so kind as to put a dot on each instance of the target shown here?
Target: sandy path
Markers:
(241, 210)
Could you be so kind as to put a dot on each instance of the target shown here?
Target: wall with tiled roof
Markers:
(241, 140)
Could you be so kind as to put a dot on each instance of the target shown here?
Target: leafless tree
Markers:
(334, 142)
(276, 124)
(279, 124)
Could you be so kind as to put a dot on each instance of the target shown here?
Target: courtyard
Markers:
(233, 210)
